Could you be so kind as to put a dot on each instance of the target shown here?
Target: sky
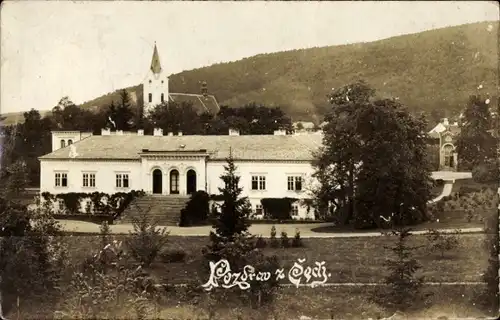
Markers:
(84, 49)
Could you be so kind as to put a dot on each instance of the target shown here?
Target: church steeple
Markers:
(155, 61)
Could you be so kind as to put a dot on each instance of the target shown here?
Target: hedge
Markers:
(278, 208)
(114, 205)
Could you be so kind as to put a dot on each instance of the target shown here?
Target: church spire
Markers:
(155, 61)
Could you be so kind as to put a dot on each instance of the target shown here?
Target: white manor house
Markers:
(269, 166)
(174, 166)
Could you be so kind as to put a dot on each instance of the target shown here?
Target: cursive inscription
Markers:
(222, 276)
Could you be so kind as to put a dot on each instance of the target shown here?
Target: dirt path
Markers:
(256, 229)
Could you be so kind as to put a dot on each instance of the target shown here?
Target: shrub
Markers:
(486, 172)
(260, 243)
(105, 232)
(284, 240)
(197, 209)
(297, 240)
(239, 253)
(95, 294)
(147, 240)
(273, 241)
(438, 242)
(32, 254)
(171, 256)
(491, 292)
(278, 208)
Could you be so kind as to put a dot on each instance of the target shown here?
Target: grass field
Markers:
(358, 259)
(347, 259)
(344, 303)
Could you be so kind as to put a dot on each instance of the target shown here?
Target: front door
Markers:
(157, 181)
(191, 182)
(174, 182)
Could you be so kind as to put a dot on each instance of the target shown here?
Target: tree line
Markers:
(373, 168)
(25, 142)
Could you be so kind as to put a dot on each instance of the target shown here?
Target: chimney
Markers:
(170, 134)
(280, 132)
(140, 132)
(445, 122)
(180, 133)
(105, 132)
(119, 132)
(158, 132)
(234, 132)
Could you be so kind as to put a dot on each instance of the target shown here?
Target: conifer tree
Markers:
(233, 217)
(403, 284)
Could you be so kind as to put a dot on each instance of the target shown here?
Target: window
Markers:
(60, 204)
(258, 209)
(70, 142)
(63, 143)
(89, 180)
(150, 81)
(258, 183)
(88, 206)
(61, 180)
(150, 97)
(122, 180)
(294, 183)
(295, 210)
(162, 97)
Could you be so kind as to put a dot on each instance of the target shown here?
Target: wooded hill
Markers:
(432, 70)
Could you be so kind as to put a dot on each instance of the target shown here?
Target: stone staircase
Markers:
(166, 210)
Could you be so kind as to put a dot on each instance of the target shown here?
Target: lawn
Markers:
(358, 259)
(344, 303)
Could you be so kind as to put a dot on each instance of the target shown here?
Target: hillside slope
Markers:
(436, 69)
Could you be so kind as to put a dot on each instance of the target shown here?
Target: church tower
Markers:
(155, 85)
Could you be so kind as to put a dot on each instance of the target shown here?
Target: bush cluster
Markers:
(102, 203)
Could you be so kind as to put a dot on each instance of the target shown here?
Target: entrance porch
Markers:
(173, 182)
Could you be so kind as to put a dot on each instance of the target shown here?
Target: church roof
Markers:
(155, 62)
(244, 147)
(201, 103)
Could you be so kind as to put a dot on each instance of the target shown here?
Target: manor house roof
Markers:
(243, 147)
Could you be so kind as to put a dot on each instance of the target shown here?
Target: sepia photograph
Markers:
(249, 160)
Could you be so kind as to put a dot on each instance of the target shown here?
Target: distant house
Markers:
(155, 90)
(445, 136)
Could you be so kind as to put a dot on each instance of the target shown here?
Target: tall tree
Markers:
(15, 180)
(124, 114)
(475, 143)
(176, 117)
(336, 162)
(373, 165)
(233, 218)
